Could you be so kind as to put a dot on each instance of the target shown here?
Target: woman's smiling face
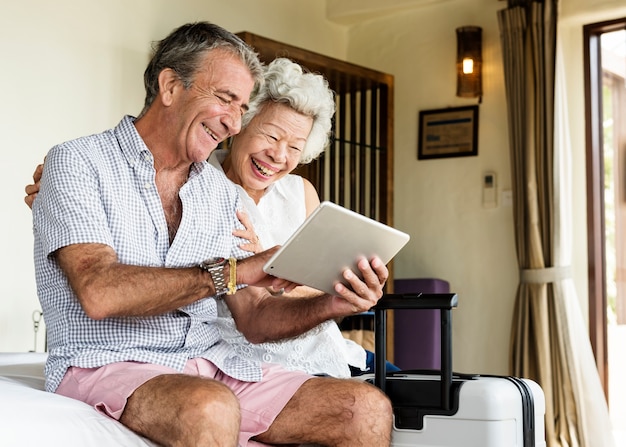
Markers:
(268, 148)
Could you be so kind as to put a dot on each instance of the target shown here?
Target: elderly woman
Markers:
(288, 123)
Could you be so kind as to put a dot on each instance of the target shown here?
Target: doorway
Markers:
(605, 86)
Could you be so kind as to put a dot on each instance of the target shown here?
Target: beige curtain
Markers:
(549, 340)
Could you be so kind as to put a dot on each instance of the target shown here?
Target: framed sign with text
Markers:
(451, 132)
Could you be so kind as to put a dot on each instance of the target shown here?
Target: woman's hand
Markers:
(254, 245)
(33, 189)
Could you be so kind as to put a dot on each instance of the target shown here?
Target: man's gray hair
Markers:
(184, 49)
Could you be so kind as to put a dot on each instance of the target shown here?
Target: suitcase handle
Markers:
(442, 301)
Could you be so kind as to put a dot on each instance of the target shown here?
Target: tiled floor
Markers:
(617, 381)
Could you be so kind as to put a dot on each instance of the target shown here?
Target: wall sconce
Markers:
(469, 62)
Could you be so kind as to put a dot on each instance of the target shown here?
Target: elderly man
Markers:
(134, 245)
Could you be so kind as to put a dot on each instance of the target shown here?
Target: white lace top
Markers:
(321, 350)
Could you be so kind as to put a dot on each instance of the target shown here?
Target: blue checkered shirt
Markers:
(101, 189)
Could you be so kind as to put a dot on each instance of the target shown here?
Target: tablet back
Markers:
(330, 240)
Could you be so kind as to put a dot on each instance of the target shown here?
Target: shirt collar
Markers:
(132, 145)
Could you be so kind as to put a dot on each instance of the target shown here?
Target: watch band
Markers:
(232, 281)
(215, 267)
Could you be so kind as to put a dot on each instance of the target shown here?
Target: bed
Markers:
(30, 416)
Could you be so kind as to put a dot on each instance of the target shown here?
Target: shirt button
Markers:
(147, 185)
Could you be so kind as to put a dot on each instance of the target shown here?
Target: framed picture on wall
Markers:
(451, 132)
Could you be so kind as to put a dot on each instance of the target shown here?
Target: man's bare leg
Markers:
(181, 410)
(333, 412)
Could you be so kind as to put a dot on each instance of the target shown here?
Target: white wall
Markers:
(439, 201)
(71, 68)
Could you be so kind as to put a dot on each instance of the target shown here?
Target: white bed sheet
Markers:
(32, 417)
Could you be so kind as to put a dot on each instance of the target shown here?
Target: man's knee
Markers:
(357, 404)
(369, 417)
(208, 404)
(213, 399)
(176, 409)
(371, 401)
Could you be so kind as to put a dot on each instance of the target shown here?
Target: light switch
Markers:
(490, 188)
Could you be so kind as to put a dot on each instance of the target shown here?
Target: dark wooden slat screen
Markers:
(356, 171)
(363, 110)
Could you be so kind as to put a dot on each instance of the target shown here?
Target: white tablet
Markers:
(330, 240)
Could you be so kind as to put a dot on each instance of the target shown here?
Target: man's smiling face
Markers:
(211, 109)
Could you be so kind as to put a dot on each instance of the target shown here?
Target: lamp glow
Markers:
(468, 66)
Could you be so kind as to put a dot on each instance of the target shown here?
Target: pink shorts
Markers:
(107, 388)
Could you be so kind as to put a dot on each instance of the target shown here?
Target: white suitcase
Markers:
(442, 409)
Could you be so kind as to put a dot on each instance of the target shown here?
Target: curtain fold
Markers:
(549, 341)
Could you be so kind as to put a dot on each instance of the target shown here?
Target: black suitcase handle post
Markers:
(442, 301)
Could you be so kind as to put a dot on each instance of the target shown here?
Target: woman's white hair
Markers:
(307, 93)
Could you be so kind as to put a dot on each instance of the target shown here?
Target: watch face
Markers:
(214, 261)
